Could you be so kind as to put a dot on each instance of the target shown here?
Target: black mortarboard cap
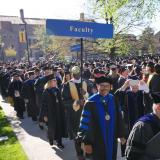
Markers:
(138, 69)
(122, 69)
(30, 73)
(112, 66)
(50, 77)
(103, 80)
(134, 77)
(150, 64)
(15, 74)
(156, 97)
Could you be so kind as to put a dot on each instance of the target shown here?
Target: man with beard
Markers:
(101, 123)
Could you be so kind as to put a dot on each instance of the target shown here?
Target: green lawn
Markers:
(11, 148)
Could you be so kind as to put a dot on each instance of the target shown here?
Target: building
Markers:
(13, 36)
(14, 39)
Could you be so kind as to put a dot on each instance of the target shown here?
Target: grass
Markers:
(11, 148)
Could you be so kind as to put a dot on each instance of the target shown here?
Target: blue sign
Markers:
(79, 29)
(76, 47)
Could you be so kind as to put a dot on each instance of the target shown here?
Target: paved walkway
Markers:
(34, 140)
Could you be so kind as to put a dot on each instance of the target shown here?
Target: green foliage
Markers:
(61, 58)
(52, 44)
(0, 41)
(127, 15)
(146, 40)
(130, 12)
(117, 46)
(62, 45)
(9, 149)
(44, 42)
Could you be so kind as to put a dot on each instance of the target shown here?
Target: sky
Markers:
(54, 9)
(60, 9)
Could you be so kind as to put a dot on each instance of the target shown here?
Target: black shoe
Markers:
(41, 127)
(51, 142)
(61, 146)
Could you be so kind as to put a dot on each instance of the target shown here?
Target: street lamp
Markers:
(25, 28)
(1, 48)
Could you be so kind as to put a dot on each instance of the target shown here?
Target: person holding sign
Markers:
(144, 140)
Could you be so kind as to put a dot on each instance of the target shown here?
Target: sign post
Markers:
(76, 47)
(81, 59)
(79, 29)
(25, 36)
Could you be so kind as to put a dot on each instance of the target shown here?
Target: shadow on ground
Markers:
(28, 125)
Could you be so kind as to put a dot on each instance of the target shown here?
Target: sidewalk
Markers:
(34, 140)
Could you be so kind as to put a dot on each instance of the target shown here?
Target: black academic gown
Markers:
(96, 131)
(53, 108)
(19, 106)
(39, 88)
(1, 81)
(5, 79)
(29, 94)
(135, 106)
(145, 128)
(154, 84)
(73, 117)
(121, 81)
(115, 83)
(132, 104)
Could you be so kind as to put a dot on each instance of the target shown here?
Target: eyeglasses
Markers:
(104, 85)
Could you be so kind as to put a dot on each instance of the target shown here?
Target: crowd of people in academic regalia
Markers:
(110, 100)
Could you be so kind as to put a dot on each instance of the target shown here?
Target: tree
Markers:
(117, 46)
(44, 42)
(52, 44)
(146, 40)
(131, 12)
(125, 14)
(1, 48)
